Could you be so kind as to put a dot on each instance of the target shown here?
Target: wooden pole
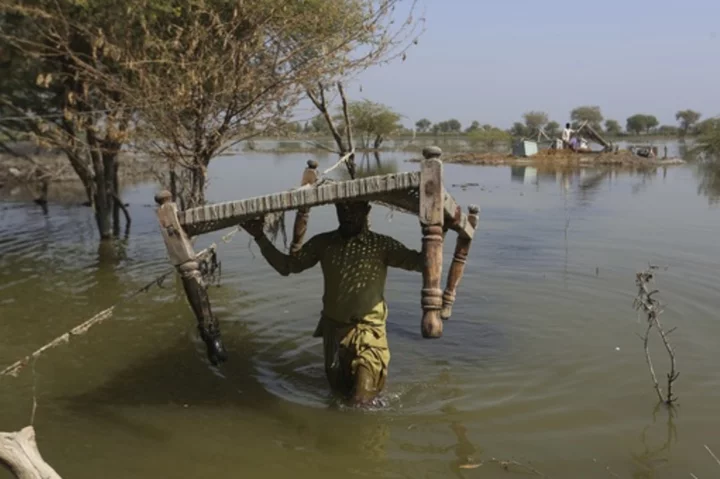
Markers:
(462, 248)
(20, 453)
(431, 218)
(310, 176)
(183, 257)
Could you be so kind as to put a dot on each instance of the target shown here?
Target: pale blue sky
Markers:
(493, 60)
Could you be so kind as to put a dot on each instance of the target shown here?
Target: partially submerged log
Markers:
(19, 453)
(421, 193)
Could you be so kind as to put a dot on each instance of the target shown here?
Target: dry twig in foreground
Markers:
(652, 308)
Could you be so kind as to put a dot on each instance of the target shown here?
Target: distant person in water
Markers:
(354, 263)
(566, 135)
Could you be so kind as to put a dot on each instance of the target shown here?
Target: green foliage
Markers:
(612, 127)
(372, 120)
(490, 138)
(192, 77)
(519, 130)
(449, 126)
(319, 125)
(591, 114)
(535, 120)
(474, 126)
(423, 125)
(687, 119)
(641, 123)
(552, 129)
(668, 130)
(454, 125)
(708, 141)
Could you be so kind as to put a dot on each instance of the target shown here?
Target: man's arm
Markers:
(306, 258)
(400, 256)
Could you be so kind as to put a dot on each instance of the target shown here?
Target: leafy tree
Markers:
(193, 78)
(636, 124)
(687, 119)
(51, 95)
(612, 127)
(552, 129)
(230, 65)
(651, 122)
(473, 127)
(373, 121)
(423, 125)
(319, 125)
(518, 130)
(454, 126)
(641, 123)
(535, 120)
(591, 114)
(708, 141)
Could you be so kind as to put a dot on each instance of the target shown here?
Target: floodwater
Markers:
(540, 363)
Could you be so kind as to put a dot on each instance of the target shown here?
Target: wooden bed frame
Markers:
(421, 193)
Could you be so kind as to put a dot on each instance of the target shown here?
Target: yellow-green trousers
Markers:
(356, 358)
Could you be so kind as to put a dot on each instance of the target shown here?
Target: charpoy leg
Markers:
(197, 296)
(457, 267)
(432, 221)
(310, 176)
(182, 256)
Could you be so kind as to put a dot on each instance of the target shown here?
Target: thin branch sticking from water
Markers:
(712, 454)
(652, 308)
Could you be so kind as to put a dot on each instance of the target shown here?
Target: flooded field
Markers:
(540, 363)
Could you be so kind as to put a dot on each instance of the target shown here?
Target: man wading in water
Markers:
(354, 262)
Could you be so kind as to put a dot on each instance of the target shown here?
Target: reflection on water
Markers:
(655, 457)
(709, 180)
(539, 363)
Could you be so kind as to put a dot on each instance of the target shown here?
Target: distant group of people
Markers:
(571, 140)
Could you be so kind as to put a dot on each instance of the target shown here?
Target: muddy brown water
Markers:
(540, 363)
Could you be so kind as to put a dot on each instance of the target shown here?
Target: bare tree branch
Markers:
(651, 307)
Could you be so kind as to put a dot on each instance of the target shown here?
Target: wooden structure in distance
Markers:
(421, 193)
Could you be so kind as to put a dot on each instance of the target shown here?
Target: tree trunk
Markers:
(116, 202)
(378, 141)
(195, 194)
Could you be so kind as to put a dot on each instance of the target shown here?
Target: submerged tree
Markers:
(687, 119)
(54, 89)
(233, 70)
(373, 121)
(193, 78)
